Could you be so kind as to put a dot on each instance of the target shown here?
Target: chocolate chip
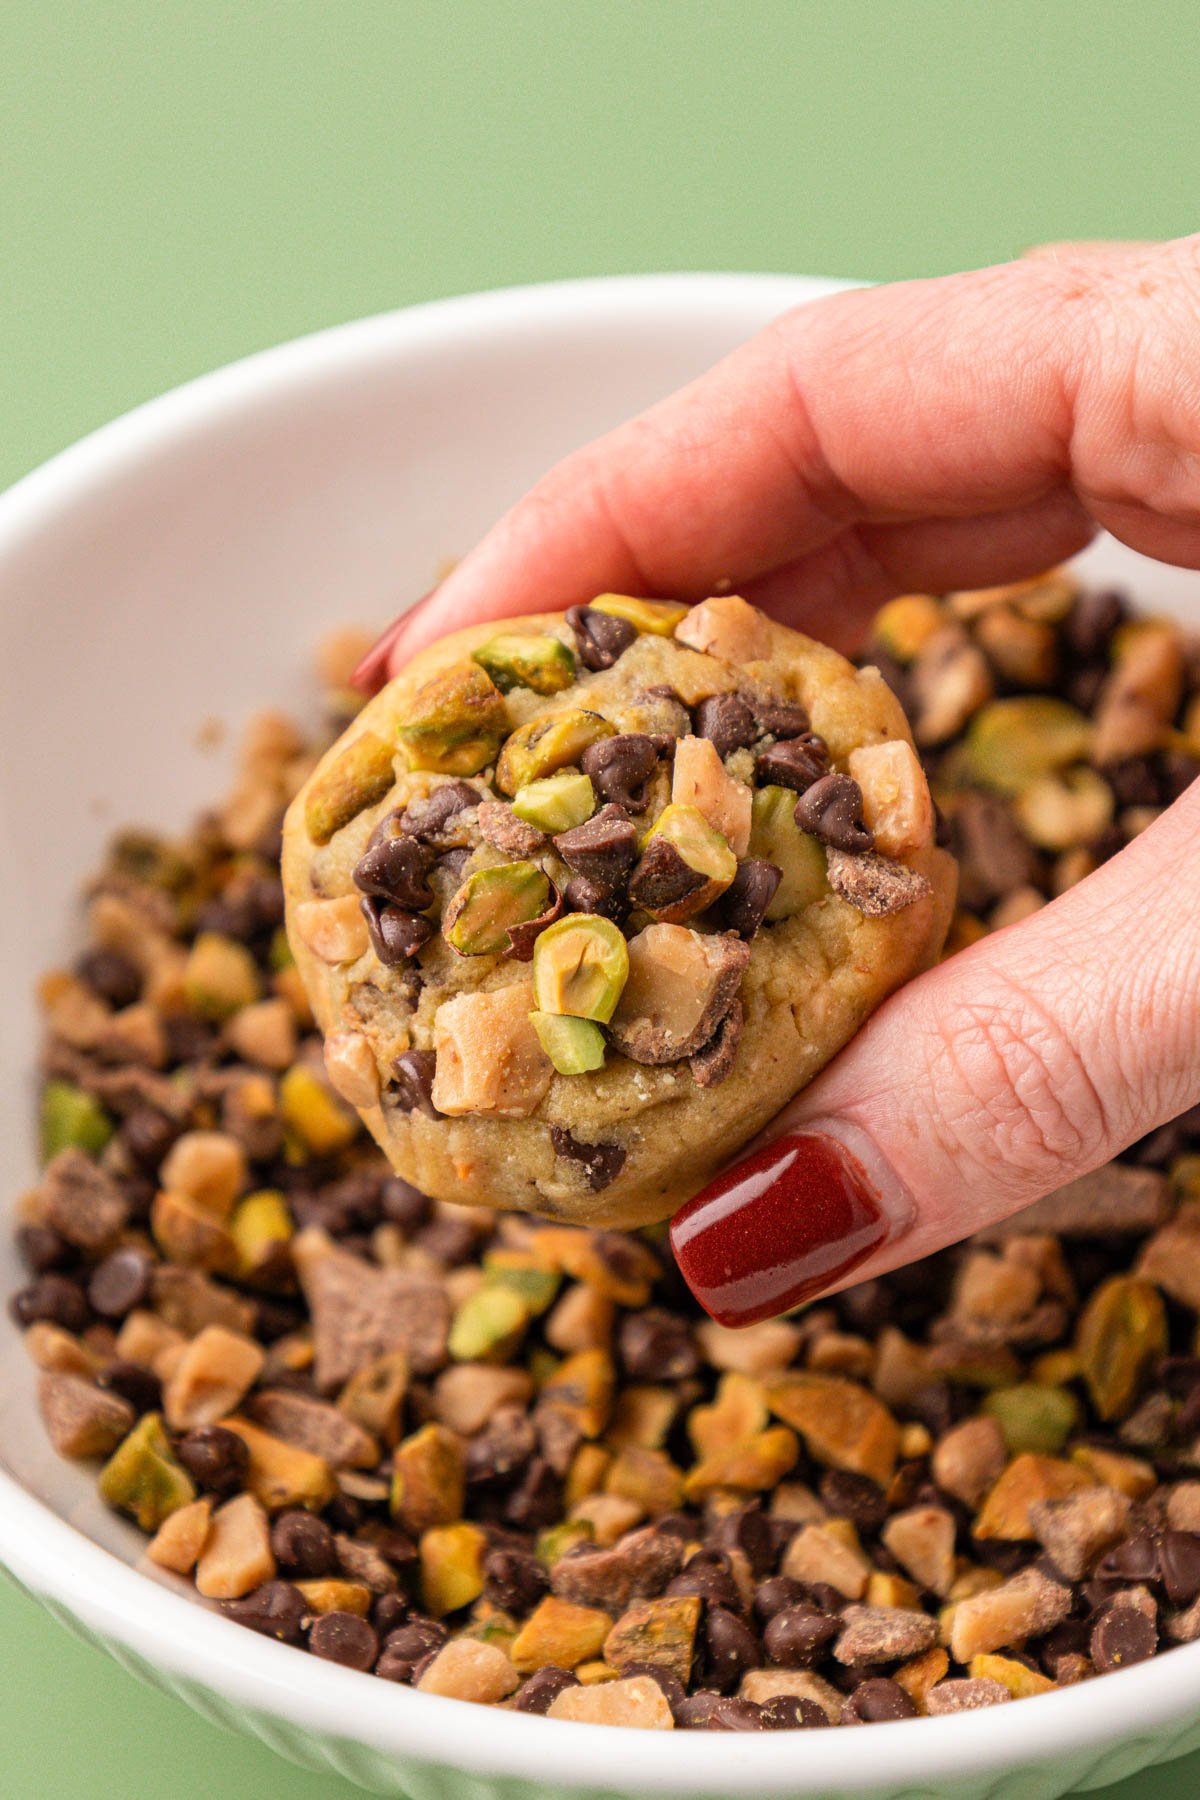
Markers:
(395, 934)
(538, 1694)
(599, 636)
(215, 1458)
(303, 1545)
(743, 906)
(620, 769)
(878, 1700)
(147, 1135)
(794, 762)
(1135, 781)
(1179, 771)
(426, 820)
(132, 1382)
(747, 1529)
(781, 718)
(793, 1712)
(1134, 1559)
(735, 1715)
(112, 976)
(514, 1582)
(502, 1448)
(697, 1710)
(1179, 1565)
(394, 870)
(51, 1300)
(405, 1648)
(43, 1249)
(730, 1648)
(275, 1610)
(120, 1282)
(708, 1573)
(603, 849)
(655, 1345)
(854, 1497)
(832, 810)
(662, 879)
(582, 895)
(412, 1082)
(777, 1593)
(798, 1636)
(1091, 622)
(537, 1499)
(342, 1637)
(713, 1063)
(1122, 1635)
(727, 722)
(399, 1201)
(389, 1612)
(601, 1163)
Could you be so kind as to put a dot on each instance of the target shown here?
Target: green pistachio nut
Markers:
(580, 966)
(556, 1540)
(314, 1115)
(523, 659)
(455, 722)
(557, 802)
(800, 857)
(489, 902)
(574, 1046)
(489, 1324)
(220, 976)
(702, 850)
(348, 781)
(545, 745)
(72, 1120)
(536, 1284)
(143, 1479)
(452, 1573)
(261, 1224)
(657, 617)
(1033, 1418)
(1012, 742)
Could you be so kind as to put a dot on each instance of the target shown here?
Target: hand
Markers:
(950, 433)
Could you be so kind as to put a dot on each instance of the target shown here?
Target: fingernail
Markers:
(784, 1224)
(372, 672)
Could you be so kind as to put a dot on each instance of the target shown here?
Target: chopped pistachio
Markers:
(1122, 1333)
(490, 901)
(349, 781)
(841, 1423)
(261, 1225)
(322, 1122)
(489, 1323)
(451, 1566)
(547, 744)
(72, 1120)
(142, 1477)
(707, 859)
(658, 617)
(662, 1632)
(428, 1477)
(455, 722)
(1034, 1417)
(800, 857)
(559, 1634)
(1012, 742)
(556, 802)
(526, 659)
(282, 1475)
(574, 1046)
(580, 966)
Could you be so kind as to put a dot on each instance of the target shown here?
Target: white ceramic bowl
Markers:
(179, 565)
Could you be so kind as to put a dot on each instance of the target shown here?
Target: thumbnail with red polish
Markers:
(777, 1228)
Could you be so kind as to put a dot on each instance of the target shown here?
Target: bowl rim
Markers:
(182, 1641)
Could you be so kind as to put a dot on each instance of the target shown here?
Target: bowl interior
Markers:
(178, 568)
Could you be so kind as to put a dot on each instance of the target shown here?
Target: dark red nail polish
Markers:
(372, 672)
(777, 1228)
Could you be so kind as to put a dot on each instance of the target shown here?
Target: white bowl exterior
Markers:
(179, 565)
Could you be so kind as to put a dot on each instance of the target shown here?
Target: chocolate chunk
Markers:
(601, 1163)
(794, 762)
(994, 855)
(51, 1300)
(1122, 1635)
(215, 1458)
(82, 1202)
(792, 1712)
(637, 1568)
(514, 1582)
(743, 906)
(120, 1282)
(1091, 622)
(877, 1700)
(727, 722)
(600, 637)
(620, 768)
(656, 1345)
(662, 878)
(854, 1497)
(583, 895)
(713, 1064)
(832, 810)
(601, 850)
(798, 1636)
(730, 1648)
(111, 975)
(342, 1637)
(426, 820)
(275, 1610)
(781, 718)
(539, 1693)
(132, 1382)
(412, 1082)
(501, 1449)
(394, 870)
(395, 934)
(303, 1545)
(500, 827)
(407, 1646)
(709, 1574)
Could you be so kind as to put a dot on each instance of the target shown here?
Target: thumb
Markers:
(1021, 1063)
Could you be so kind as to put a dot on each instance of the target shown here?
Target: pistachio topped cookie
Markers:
(582, 902)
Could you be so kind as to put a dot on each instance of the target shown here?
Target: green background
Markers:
(181, 183)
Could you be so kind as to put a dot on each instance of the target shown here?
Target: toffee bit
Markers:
(875, 885)
(601, 1163)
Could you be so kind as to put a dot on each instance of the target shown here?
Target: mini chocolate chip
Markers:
(670, 1685)
(1179, 771)
(514, 1582)
(537, 1499)
(133, 1382)
(798, 1636)
(620, 769)
(1134, 1559)
(408, 1646)
(878, 1700)
(504, 1446)
(120, 1282)
(51, 1300)
(343, 1637)
(394, 870)
(1091, 622)
(215, 1458)
(832, 810)
(582, 895)
(662, 878)
(395, 934)
(735, 1715)
(189, 1039)
(1122, 1635)
(42, 1249)
(412, 1082)
(599, 636)
(778, 1592)
(730, 1648)
(389, 1612)
(148, 1134)
(603, 848)
(426, 820)
(303, 1545)
(697, 1709)
(794, 762)
(747, 1529)
(1134, 781)
(655, 1345)
(854, 1497)
(275, 1610)
(538, 1694)
(400, 1202)
(793, 1712)
(601, 1163)
(727, 722)
(708, 1574)
(111, 975)
(781, 718)
(743, 906)
(1179, 1565)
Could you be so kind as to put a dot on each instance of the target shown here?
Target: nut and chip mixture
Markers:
(511, 1461)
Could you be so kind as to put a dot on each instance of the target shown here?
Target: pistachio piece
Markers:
(905, 625)
(547, 744)
(556, 802)
(489, 1059)
(776, 838)
(478, 918)
(1034, 1417)
(455, 722)
(560, 1634)
(489, 1323)
(282, 1475)
(346, 784)
(726, 626)
(1011, 742)
(662, 1632)
(261, 1227)
(525, 659)
(1122, 1333)
(428, 1480)
(220, 976)
(685, 865)
(680, 986)
(314, 1114)
(142, 1477)
(72, 1120)
(659, 617)
(1067, 811)
(699, 779)
(452, 1573)
(580, 967)
(574, 1046)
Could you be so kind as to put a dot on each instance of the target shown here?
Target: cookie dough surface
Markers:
(416, 920)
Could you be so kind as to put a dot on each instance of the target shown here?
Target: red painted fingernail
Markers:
(777, 1228)
(372, 672)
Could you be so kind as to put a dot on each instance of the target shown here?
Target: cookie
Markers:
(581, 902)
